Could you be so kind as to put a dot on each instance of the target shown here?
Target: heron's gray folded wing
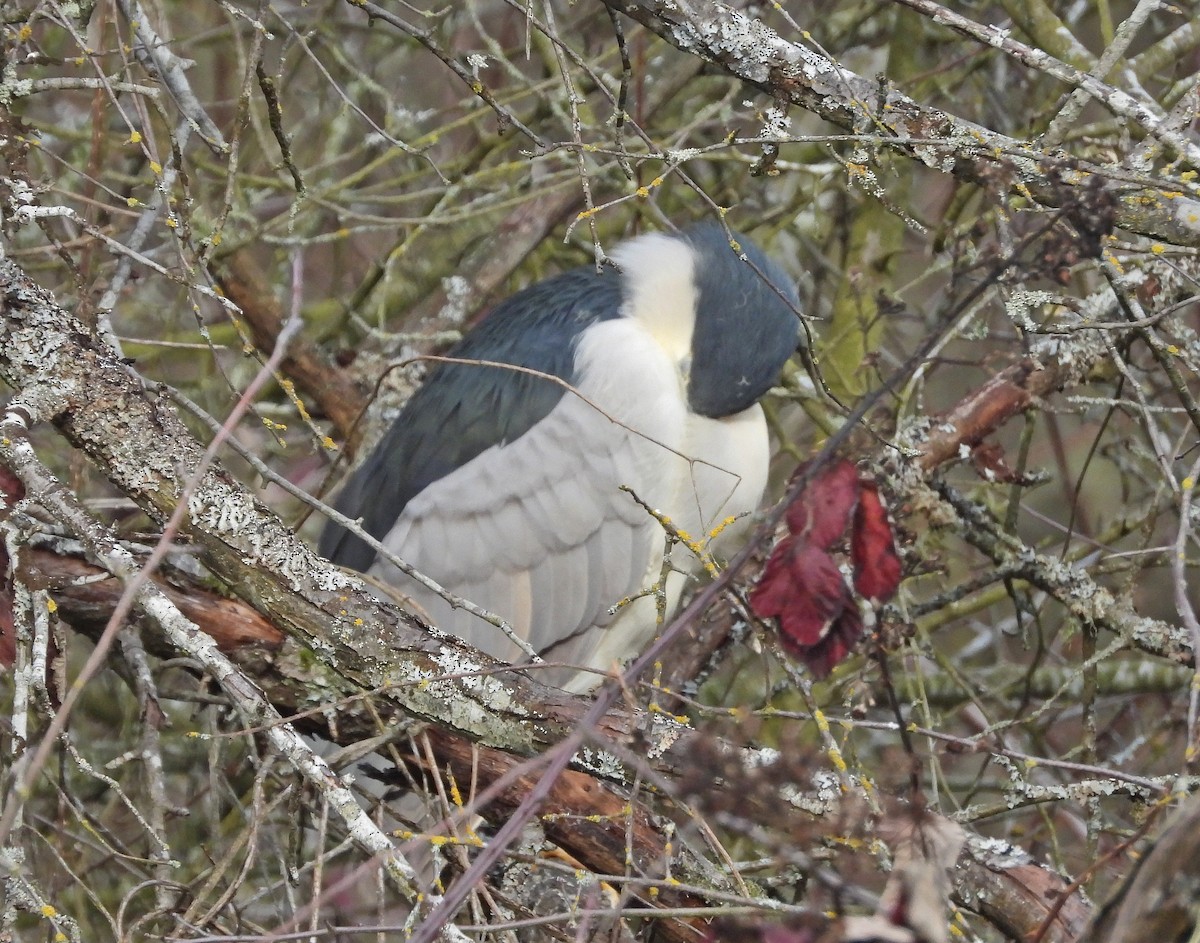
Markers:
(538, 530)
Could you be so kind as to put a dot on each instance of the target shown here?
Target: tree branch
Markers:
(797, 72)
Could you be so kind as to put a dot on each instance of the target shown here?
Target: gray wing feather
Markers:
(463, 409)
(537, 530)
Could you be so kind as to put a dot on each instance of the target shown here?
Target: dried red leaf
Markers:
(8, 638)
(988, 461)
(873, 548)
(838, 642)
(822, 510)
(12, 490)
(802, 586)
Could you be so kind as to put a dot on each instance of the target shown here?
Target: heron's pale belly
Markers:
(723, 477)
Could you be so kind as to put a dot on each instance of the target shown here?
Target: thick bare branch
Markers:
(329, 386)
(136, 439)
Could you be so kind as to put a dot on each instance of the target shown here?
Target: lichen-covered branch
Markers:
(136, 439)
(17, 453)
(796, 71)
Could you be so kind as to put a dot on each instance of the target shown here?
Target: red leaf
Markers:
(873, 548)
(801, 585)
(11, 491)
(803, 588)
(838, 642)
(8, 638)
(821, 511)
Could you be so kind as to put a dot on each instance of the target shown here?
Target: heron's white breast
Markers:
(728, 474)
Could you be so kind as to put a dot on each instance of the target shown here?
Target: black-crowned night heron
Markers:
(505, 487)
